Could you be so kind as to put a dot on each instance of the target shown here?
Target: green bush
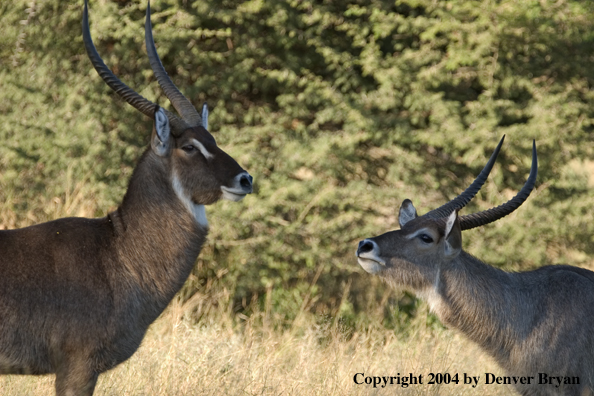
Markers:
(340, 110)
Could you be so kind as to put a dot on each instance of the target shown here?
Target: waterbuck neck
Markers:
(157, 241)
(482, 302)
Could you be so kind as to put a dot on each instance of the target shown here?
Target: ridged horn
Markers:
(177, 99)
(461, 200)
(490, 215)
(140, 103)
(137, 101)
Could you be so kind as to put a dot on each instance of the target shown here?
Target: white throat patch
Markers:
(435, 301)
(197, 211)
(433, 298)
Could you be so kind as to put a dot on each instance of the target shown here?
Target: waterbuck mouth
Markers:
(367, 255)
(234, 194)
(371, 265)
(241, 186)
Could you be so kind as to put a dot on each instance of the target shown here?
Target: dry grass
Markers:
(219, 358)
(177, 358)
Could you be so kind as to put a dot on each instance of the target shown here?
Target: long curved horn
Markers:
(177, 99)
(461, 200)
(490, 215)
(137, 101)
(140, 103)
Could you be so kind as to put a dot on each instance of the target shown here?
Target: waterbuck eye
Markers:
(188, 148)
(425, 238)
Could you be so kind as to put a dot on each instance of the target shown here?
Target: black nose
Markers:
(364, 247)
(246, 181)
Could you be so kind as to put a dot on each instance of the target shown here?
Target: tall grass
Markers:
(217, 358)
(228, 353)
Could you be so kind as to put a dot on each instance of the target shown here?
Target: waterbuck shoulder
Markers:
(77, 295)
(533, 323)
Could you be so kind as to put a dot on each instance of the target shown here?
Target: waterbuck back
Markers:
(77, 295)
(537, 324)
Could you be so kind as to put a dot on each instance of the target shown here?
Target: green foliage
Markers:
(340, 110)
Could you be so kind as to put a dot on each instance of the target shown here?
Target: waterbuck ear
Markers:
(205, 116)
(453, 236)
(161, 139)
(407, 212)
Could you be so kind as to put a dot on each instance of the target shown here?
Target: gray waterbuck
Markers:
(538, 325)
(77, 295)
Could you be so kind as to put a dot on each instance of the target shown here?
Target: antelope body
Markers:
(533, 323)
(77, 295)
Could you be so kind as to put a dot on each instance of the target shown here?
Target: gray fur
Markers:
(531, 322)
(406, 213)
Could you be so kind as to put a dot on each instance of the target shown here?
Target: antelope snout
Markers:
(366, 246)
(241, 185)
(245, 181)
(368, 256)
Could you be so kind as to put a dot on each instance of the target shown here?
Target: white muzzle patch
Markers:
(232, 194)
(370, 265)
(369, 260)
(237, 192)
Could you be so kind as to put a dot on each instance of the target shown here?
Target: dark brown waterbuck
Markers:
(538, 325)
(77, 295)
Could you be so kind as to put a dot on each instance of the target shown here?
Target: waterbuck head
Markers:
(412, 257)
(200, 172)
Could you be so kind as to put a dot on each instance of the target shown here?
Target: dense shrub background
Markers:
(340, 110)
